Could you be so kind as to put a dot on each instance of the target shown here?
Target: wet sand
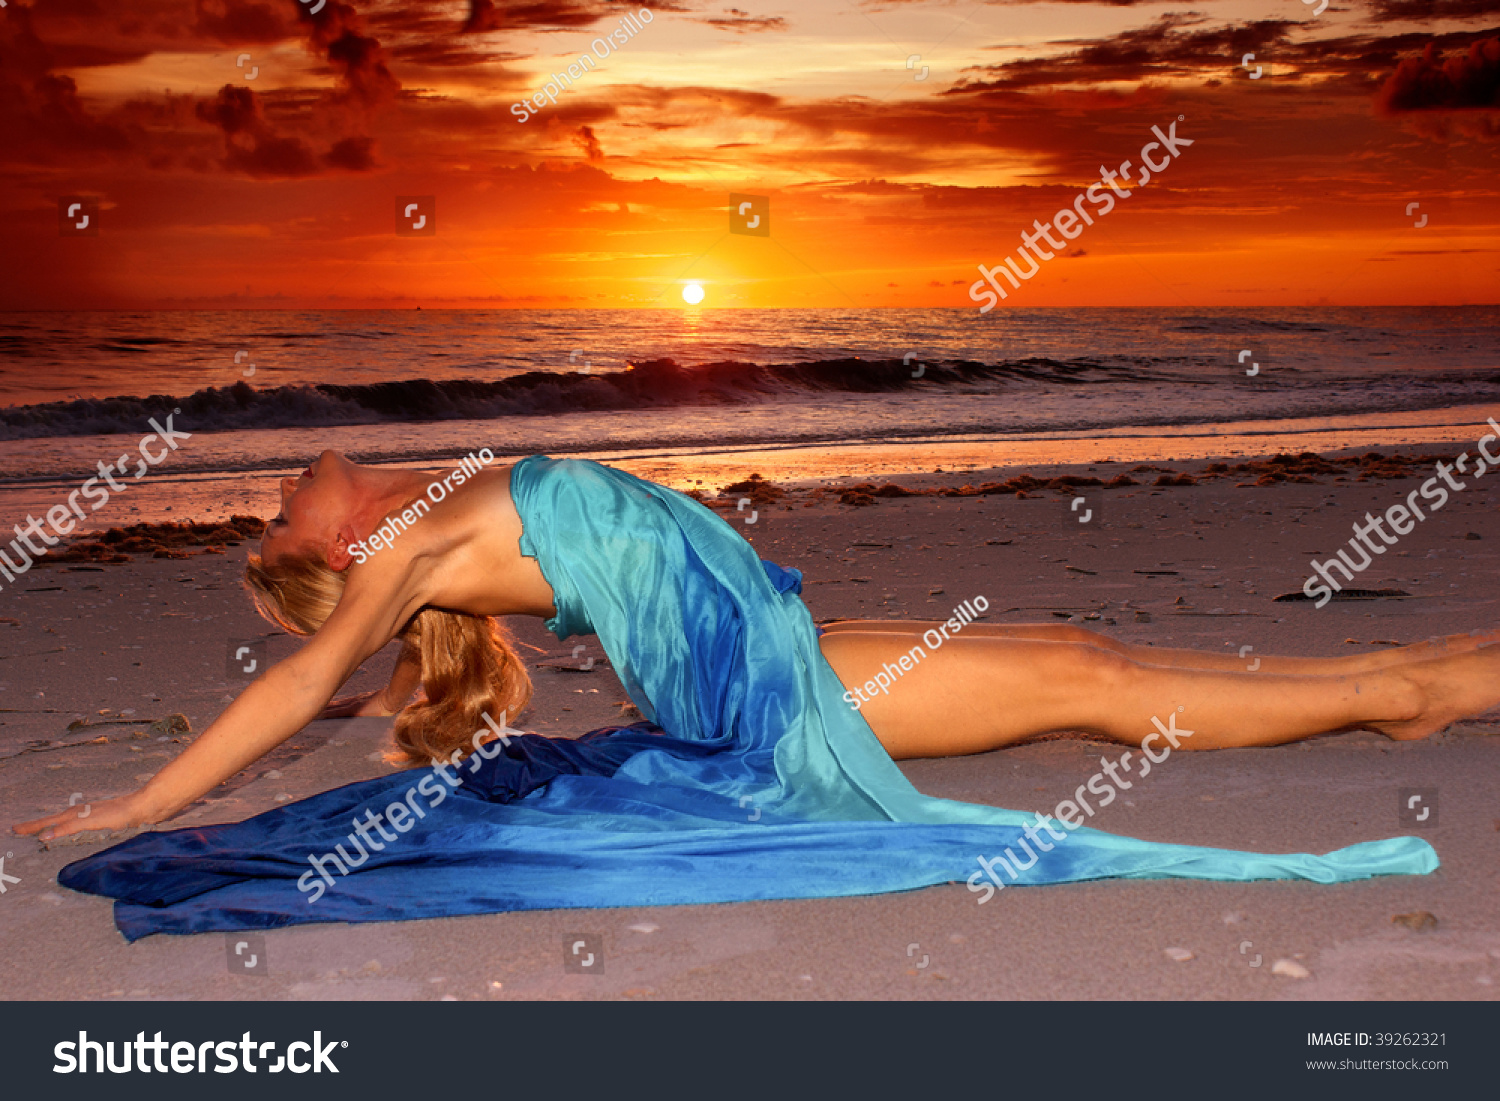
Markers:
(118, 645)
(213, 477)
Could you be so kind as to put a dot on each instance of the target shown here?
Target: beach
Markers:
(92, 654)
(1101, 355)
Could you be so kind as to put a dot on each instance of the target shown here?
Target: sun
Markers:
(692, 294)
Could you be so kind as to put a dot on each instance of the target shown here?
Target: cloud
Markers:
(1430, 11)
(584, 138)
(742, 22)
(337, 33)
(525, 15)
(235, 110)
(44, 120)
(42, 117)
(451, 52)
(1432, 82)
(238, 23)
(1458, 69)
(252, 146)
(1163, 48)
(485, 16)
(356, 154)
(934, 174)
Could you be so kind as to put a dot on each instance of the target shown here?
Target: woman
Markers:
(720, 654)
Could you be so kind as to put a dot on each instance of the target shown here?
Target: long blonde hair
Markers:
(469, 663)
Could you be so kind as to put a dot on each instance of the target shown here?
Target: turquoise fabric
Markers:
(710, 650)
(751, 779)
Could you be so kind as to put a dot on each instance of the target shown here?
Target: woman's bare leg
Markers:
(1186, 659)
(977, 694)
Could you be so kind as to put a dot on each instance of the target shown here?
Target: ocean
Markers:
(829, 391)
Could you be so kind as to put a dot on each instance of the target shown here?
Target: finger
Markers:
(36, 825)
(58, 825)
(70, 825)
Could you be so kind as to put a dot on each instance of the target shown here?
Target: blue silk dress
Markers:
(750, 779)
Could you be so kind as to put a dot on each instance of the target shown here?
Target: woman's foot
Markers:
(1439, 646)
(1452, 688)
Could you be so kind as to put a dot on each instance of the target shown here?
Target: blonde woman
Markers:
(765, 767)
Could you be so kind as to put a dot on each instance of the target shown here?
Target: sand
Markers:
(123, 644)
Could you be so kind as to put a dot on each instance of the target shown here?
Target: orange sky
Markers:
(273, 182)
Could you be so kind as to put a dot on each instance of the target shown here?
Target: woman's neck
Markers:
(390, 490)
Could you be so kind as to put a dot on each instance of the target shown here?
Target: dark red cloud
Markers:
(1430, 11)
(1163, 48)
(242, 22)
(1432, 82)
(41, 116)
(525, 15)
(355, 154)
(235, 110)
(1177, 45)
(57, 117)
(337, 32)
(361, 62)
(254, 147)
(271, 155)
(250, 145)
(585, 139)
(486, 15)
(45, 121)
(448, 49)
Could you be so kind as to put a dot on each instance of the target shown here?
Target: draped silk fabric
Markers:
(750, 779)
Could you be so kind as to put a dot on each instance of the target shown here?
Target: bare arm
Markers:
(406, 678)
(283, 700)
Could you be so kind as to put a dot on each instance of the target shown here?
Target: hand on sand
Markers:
(367, 703)
(112, 814)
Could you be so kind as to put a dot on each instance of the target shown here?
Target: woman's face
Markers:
(314, 506)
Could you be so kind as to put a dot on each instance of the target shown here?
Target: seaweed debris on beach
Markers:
(160, 540)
